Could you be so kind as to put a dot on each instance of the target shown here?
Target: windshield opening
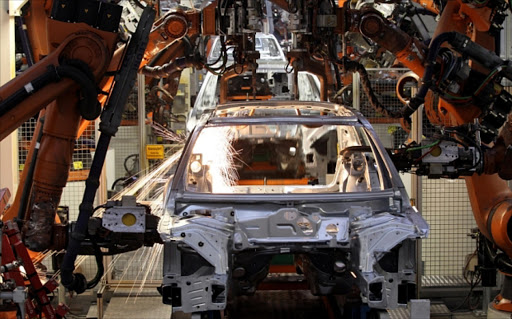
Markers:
(282, 158)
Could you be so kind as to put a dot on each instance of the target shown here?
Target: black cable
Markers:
(110, 121)
(235, 68)
(223, 55)
(77, 282)
(339, 85)
(167, 69)
(352, 66)
(98, 207)
(99, 264)
(114, 184)
(76, 70)
(433, 51)
(30, 88)
(451, 61)
(460, 43)
(222, 44)
(472, 284)
(154, 92)
(89, 106)
(27, 186)
(225, 7)
(82, 66)
(130, 171)
(472, 287)
(502, 261)
(139, 4)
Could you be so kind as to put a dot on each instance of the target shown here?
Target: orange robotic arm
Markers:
(490, 196)
(77, 47)
(77, 40)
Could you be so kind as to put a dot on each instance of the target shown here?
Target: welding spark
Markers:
(214, 144)
(143, 262)
(167, 134)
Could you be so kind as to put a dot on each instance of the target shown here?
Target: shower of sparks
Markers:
(216, 148)
(144, 261)
(218, 154)
(148, 263)
(149, 188)
(167, 134)
(214, 144)
(150, 183)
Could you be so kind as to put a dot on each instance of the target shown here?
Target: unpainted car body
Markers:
(310, 179)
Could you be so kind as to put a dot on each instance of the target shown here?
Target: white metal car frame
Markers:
(352, 226)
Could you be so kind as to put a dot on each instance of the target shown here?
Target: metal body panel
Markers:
(222, 243)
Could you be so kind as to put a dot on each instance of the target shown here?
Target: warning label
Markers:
(154, 151)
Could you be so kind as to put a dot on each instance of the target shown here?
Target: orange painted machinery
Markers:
(83, 71)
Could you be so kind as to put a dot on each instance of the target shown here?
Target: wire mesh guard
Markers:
(141, 267)
(383, 82)
(447, 209)
(125, 146)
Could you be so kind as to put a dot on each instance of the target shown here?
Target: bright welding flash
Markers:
(195, 167)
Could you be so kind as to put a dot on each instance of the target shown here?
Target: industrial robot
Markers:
(83, 70)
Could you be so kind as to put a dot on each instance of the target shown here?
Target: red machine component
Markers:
(13, 250)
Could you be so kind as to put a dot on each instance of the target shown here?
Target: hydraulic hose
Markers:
(478, 53)
(110, 121)
(501, 260)
(462, 44)
(89, 106)
(100, 268)
(38, 83)
(68, 279)
(433, 51)
(352, 66)
(167, 69)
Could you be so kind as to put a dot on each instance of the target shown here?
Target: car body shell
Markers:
(220, 244)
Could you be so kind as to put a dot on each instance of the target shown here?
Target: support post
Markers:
(9, 146)
(141, 93)
(416, 185)
(356, 91)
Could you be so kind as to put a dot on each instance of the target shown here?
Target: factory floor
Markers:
(296, 304)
